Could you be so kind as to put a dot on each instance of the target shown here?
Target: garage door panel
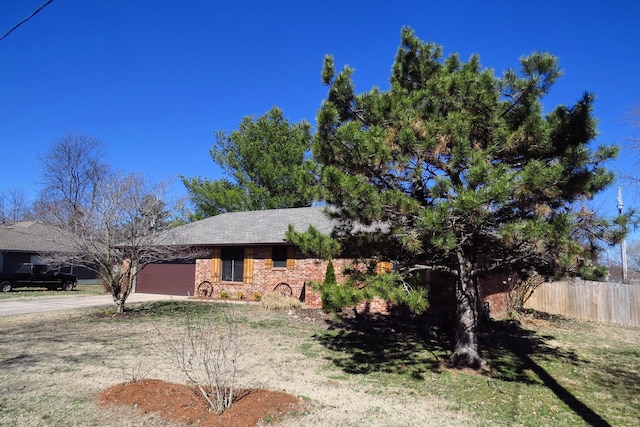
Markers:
(166, 279)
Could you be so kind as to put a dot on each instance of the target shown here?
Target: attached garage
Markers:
(170, 278)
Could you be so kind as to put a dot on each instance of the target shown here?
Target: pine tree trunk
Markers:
(466, 352)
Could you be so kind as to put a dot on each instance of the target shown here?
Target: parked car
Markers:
(38, 276)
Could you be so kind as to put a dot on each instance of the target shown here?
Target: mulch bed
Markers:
(185, 405)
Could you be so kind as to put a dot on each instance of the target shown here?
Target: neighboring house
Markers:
(29, 242)
(22, 242)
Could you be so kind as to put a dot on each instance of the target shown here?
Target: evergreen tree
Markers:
(266, 161)
(457, 170)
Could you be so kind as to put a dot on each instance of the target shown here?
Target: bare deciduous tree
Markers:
(14, 206)
(633, 254)
(633, 120)
(72, 172)
(107, 220)
(116, 235)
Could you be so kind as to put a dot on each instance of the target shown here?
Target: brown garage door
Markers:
(167, 279)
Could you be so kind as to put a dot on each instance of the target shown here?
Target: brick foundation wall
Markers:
(203, 273)
(375, 306)
(306, 270)
(265, 279)
(495, 291)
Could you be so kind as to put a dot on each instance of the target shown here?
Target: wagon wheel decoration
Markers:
(284, 289)
(205, 289)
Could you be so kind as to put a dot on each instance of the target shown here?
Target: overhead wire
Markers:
(45, 4)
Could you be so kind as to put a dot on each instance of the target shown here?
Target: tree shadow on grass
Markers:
(510, 350)
(380, 344)
(36, 345)
(68, 342)
(383, 344)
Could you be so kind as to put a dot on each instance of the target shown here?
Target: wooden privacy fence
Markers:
(597, 301)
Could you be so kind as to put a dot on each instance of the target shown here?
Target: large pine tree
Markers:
(463, 167)
(266, 164)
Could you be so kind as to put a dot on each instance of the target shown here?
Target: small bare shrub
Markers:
(136, 371)
(207, 352)
(276, 301)
(521, 289)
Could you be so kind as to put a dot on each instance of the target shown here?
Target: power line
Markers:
(26, 19)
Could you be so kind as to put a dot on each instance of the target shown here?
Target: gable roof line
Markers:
(32, 236)
(247, 227)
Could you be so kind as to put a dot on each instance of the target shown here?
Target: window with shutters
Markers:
(232, 264)
(383, 267)
(279, 257)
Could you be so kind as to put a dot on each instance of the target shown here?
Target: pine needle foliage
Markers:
(464, 168)
(267, 166)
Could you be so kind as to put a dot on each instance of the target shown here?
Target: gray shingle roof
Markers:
(250, 227)
(31, 237)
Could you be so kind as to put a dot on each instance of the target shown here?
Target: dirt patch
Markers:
(185, 405)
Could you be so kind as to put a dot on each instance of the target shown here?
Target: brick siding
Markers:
(265, 279)
(306, 270)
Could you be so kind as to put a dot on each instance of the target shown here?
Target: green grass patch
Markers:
(267, 324)
(25, 293)
(539, 372)
(175, 309)
(155, 311)
(309, 349)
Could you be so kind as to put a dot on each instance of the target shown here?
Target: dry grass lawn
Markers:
(543, 371)
(53, 365)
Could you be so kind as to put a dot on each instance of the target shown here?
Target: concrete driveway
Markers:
(13, 307)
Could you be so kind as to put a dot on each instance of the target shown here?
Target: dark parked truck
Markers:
(37, 276)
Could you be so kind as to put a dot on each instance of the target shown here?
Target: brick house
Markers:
(241, 254)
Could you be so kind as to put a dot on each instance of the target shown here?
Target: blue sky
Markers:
(154, 80)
